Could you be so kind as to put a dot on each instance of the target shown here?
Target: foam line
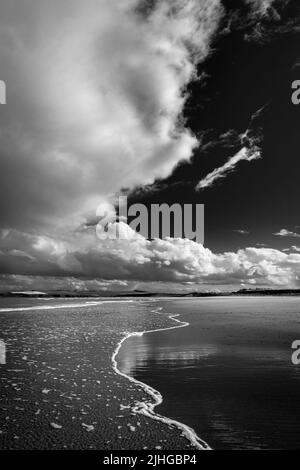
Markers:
(147, 408)
(53, 307)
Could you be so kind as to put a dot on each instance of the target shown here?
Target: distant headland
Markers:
(142, 293)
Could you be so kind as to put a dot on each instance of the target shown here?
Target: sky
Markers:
(165, 101)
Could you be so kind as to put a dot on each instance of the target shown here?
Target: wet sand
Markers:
(59, 388)
(229, 374)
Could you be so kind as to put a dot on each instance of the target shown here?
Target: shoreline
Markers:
(148, 408)
(90, 303)
(60, 391)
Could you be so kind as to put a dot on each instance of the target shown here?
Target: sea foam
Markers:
(147, 408)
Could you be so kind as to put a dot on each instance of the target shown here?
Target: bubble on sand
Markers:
(56, 426)
(88, 427)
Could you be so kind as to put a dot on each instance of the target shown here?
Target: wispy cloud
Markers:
(219, 173)
(250, 140)
(270, 17)
(241, 232)
(261, 8)
(286, 233)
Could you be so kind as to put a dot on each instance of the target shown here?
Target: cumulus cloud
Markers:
(95, 92)
(169, 261)
(95, 98)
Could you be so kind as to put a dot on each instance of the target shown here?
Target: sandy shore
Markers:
(60, 388)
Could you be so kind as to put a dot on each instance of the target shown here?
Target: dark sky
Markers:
(243, 74)
(166, 101)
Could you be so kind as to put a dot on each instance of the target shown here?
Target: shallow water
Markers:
(229, 374)
(58, 388)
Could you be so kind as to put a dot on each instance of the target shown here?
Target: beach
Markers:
(60, 387)
(229, 373)
(169, 374)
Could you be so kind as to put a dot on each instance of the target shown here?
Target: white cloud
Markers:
(95, 94)
(242, 232)
(95, 97)
(178, 261)
(250, 141)
(221, 172)
(287, 233)
(261, 7)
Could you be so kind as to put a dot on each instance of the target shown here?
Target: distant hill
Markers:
(141, 293)
(268, 292)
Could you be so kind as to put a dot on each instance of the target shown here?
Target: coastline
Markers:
(147, 408)
(59, 382)
(90, 303)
